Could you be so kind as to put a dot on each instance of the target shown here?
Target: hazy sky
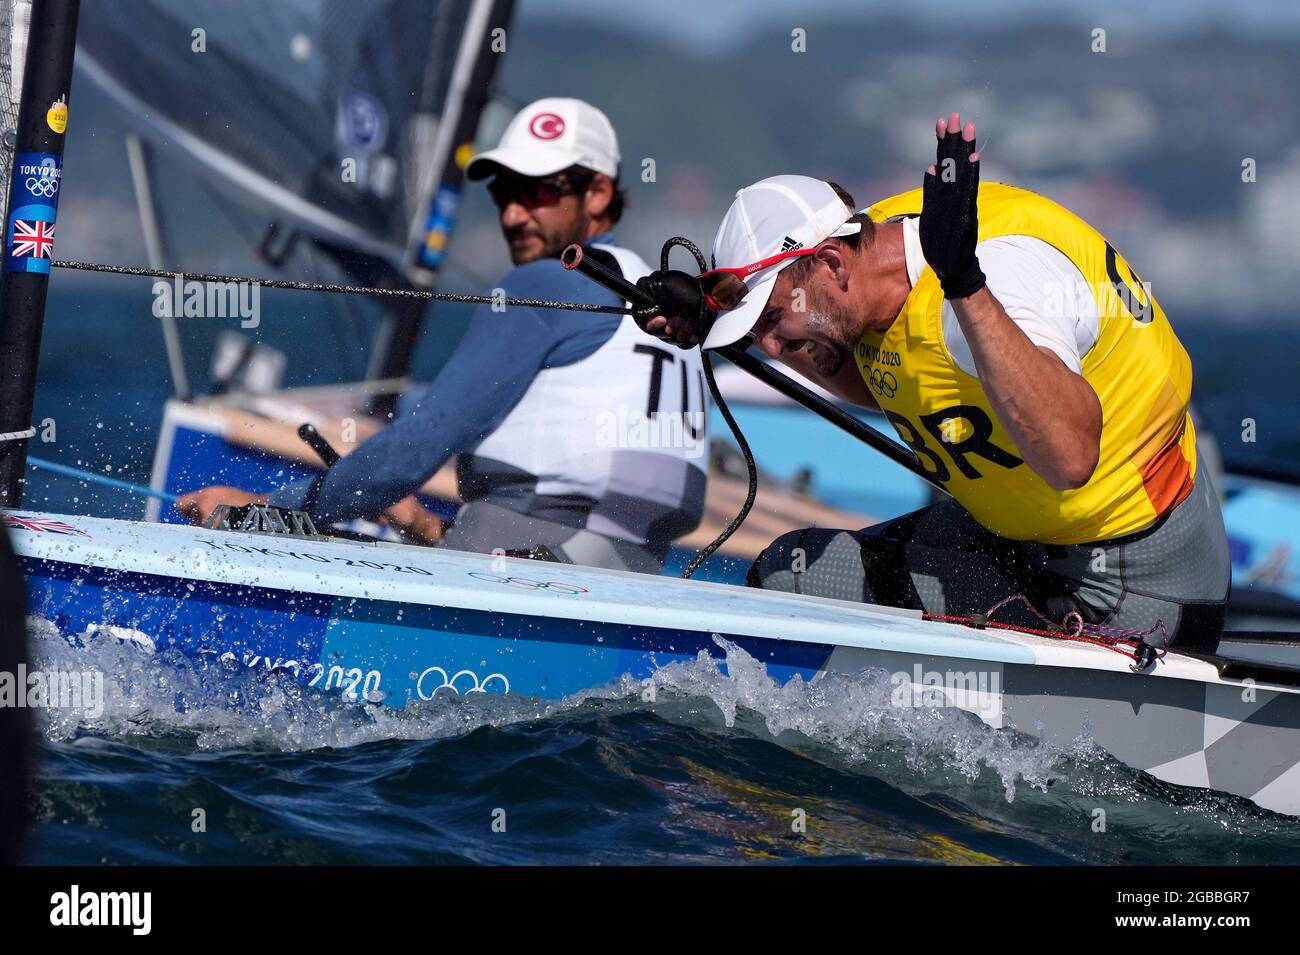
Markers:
(711, 23)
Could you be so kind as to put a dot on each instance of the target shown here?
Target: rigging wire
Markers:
(342, 289)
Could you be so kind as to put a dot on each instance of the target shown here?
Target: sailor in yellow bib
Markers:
(1049, 398)
(1145, 461)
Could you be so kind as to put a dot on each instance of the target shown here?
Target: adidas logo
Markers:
(789, 245)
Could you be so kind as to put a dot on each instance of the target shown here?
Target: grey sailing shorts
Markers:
(940, 560)
(482, 527)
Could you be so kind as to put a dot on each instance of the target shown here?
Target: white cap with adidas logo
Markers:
(771, 216)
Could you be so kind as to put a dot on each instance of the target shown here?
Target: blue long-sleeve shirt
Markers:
(485, 378)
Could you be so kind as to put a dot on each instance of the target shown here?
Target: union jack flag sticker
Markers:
(33, 207)
(42, 525)
(34, 238)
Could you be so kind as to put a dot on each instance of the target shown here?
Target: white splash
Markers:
(221, 704)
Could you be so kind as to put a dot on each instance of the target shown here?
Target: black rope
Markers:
(748, 455)
(343, 289)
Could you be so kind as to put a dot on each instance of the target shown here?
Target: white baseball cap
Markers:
(774, 215)
(550, 135)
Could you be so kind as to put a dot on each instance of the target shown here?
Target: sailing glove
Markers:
(949, 224)
(677, 296)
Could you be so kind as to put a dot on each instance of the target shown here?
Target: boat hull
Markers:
(384, 650)
(397, 624)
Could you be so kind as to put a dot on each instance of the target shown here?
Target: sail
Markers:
(339, 116)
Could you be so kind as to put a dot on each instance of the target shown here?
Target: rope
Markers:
(1128, 643)
(750, 466)
(17, 435)
(91, 477)
(422, 294)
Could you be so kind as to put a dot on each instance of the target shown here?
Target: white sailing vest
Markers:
(624, 430)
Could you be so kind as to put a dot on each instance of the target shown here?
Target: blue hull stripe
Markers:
(404, 651)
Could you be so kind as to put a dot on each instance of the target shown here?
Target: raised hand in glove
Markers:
(949, 223)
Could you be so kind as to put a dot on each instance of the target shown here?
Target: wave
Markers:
(924, 767)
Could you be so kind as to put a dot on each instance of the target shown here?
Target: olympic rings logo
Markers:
(429, 691)
(886, 385)
(524, 583)
(43, 187)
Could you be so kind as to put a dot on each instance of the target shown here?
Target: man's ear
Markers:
(599, 195)
(833, 256)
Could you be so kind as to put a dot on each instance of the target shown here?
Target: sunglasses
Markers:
(535, 193)
(725, 288)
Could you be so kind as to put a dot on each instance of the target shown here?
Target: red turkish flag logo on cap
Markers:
(546, 126)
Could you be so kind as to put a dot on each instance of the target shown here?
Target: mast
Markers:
(468, 93)
(35, 180)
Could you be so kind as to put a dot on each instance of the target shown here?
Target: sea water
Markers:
(706, 761)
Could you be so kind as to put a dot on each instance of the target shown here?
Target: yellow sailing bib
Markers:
(1138, 368)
